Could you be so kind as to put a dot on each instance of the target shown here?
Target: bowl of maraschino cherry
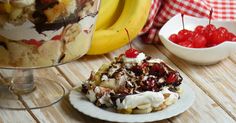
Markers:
(199, 41)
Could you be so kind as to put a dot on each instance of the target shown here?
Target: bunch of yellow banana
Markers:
(114, 16)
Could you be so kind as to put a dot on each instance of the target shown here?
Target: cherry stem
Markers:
(182, 16)
(211, 12)
(130, 43)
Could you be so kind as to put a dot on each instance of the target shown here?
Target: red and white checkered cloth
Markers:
(162, 10)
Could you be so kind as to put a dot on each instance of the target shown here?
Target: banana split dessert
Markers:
(38, 33)
(133, 83)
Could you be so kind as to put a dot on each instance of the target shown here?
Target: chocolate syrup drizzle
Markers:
(40, 19)
(3, 44)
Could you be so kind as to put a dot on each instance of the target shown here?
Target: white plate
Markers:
(82, 104)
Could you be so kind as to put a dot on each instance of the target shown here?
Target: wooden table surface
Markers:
(215, 88)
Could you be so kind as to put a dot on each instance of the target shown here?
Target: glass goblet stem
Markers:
(22, 81)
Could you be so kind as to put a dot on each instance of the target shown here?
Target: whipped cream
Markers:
(91, 95)
(140, 57)
(155, 99)
(22, 3)
(26, 31)
(155, 61)
(148, 97)
(173, 97)
(104, 99)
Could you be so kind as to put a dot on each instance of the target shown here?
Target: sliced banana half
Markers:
(142, 111)
(125, 111)
(144, 106)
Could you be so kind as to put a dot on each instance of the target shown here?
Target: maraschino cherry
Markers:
(171, 78)
(57, 37)
(202, 37)
(131, 52)
(33, 42)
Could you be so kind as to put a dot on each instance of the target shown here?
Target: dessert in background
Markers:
(38, 33)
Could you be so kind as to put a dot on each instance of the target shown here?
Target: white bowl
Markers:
(200, 56)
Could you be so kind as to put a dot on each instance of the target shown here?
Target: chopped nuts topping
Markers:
(127, 78)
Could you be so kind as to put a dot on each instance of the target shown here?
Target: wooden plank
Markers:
(204, 108)
(10, 116)
(13, 116)
(218, 80)
(233, 57)
(80, 70)
(61, 112)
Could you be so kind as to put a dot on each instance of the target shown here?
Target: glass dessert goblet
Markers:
(37, 34)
